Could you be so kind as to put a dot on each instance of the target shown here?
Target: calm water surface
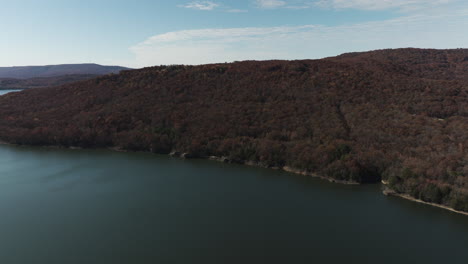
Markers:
(2, 92)
(76, 206)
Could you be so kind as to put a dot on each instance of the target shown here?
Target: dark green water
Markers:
(75, 206)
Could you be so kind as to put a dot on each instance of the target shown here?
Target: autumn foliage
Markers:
(397, 115)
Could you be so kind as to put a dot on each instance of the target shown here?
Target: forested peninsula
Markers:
(398, 116)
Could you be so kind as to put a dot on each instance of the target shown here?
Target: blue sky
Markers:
(142, 33)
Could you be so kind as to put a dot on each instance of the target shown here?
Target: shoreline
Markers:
(314, 175)
(284, 168)
(13, 89)
(389, 192)
(288, 169)
(182, 155)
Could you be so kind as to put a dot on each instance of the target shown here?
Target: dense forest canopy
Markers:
(397, 115)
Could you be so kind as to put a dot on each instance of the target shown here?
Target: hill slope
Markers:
(40, 82)
(397, 115)
(27, 72)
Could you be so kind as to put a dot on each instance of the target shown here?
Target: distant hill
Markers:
(400, 116)
(41, 82)
(27, 72)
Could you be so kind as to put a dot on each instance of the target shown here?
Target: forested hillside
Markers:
(397, 115)
(40, 82)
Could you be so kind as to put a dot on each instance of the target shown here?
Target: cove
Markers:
(99, 206)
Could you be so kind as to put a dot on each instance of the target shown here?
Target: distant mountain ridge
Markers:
(27, 72)
(41, 82)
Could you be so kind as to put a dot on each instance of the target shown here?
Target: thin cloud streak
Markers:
(301, 42)
(201, 5)
(238, 11)
(270, 4)
(404, 5)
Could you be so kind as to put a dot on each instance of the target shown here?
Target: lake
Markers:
(97, 206)
(2, 92)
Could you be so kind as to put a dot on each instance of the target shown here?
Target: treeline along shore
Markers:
(395, 115)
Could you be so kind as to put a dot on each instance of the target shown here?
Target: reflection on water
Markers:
(64, 206)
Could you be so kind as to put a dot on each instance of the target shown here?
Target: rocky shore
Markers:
(389, 192)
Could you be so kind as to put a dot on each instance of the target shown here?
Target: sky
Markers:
(141, 33)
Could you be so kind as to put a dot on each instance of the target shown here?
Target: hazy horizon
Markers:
(155, 65)
(147, 33)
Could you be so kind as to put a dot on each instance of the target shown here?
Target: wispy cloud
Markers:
(270, 4)
(301, 42)
(201, 5)
(382, 4)
(237, 10)
(404, 5)
(209, 6)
